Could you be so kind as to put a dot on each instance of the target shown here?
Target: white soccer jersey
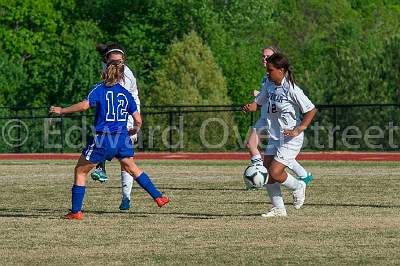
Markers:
(262, 97)
(283, 106)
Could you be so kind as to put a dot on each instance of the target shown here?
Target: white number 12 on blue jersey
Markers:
(121, 102)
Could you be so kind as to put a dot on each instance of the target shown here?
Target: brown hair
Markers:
(280, 61)
(105, 50)
(114, 73)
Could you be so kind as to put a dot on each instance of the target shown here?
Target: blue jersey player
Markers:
(113, 105)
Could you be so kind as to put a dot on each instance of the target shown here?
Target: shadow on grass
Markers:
(352, 205)
(180, 188)
(202, 189)
(54, 214)
(321, 204)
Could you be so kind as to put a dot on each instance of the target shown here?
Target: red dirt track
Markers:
(314, 156)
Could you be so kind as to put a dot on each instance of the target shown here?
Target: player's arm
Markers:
(250, 107)
(307, 118)
(137, 123)
(78, 107)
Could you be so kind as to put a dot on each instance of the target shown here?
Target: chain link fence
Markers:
(362, 127)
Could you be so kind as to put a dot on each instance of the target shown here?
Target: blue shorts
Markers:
(107, 146)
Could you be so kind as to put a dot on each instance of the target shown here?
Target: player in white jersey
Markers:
(108, 52)
(258, 131)
(285, 103)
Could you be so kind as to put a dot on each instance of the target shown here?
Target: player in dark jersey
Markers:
(112, 139)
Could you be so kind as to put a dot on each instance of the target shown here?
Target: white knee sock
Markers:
(291, 182)
(256, 159)
(298, 169)
(275, 195)
(126, 185)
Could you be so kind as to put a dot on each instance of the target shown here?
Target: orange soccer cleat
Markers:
(161, 201)
(74, 216)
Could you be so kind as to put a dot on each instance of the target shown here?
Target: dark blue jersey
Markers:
(113, 105)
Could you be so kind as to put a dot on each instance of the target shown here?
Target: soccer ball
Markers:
(255, 176)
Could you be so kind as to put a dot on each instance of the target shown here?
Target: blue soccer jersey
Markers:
(113, 105)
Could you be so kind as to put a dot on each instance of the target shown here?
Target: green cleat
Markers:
(99, 175)
(307, 179)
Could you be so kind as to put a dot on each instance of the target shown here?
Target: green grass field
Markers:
(351, 216)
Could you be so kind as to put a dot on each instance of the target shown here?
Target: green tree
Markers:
(189, 76)
(12, 78)
(56, 54)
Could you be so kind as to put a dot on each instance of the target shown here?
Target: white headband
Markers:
(115, 50)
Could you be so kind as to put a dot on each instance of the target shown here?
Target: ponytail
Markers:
(290, 76)
(114, 73)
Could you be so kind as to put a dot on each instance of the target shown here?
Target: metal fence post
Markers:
(179, 125)
(18, 146)
(62, 134)
(334, 127)
(170, 119)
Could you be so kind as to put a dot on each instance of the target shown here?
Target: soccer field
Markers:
(351, 216)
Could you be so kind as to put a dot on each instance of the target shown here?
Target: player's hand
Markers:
(55, 110)
(291, 133)
(134, 138)
(250, 107)
(133, 133)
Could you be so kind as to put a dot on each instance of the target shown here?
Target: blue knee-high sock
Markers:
(144, 181)
(78, 193)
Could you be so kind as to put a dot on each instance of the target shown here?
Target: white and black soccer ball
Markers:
(255, 176)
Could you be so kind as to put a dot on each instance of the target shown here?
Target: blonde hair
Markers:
(114, 73)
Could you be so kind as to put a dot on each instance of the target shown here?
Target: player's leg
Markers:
(252, 145)
(254, 140)
(273, 189)
(285, 155)
(100, 174)
(126, 190)
(126, 178)
(128, 165)
(255, 155)
(277, 172)
(299, 170)
(82, 168)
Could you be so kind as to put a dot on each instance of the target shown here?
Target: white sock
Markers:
(298, 169)
(291, 182)
(126, 185)
(256, 159)
(275, 195)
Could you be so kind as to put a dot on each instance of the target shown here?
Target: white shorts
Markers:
(285, 151)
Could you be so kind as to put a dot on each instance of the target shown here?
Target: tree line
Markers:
(200, 51)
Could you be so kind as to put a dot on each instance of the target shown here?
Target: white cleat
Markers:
(299, 196)
(275, 212)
